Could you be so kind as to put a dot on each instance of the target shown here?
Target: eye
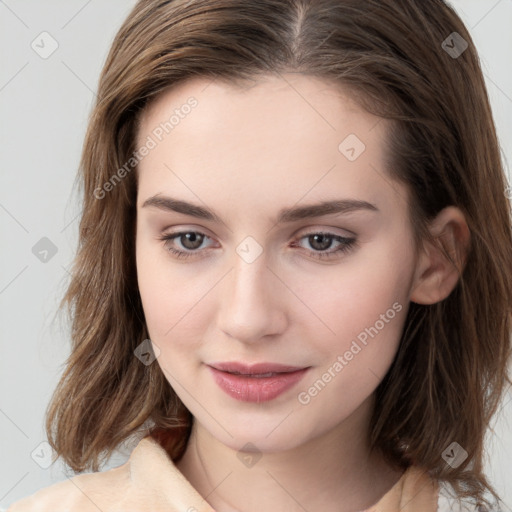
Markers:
(320, 243)
(191, 241)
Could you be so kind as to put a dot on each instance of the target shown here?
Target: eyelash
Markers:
(347, 244)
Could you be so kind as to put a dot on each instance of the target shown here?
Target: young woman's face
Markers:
(255, 270)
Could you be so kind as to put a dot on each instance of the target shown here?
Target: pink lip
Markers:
(247, 385)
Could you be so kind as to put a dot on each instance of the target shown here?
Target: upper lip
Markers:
(254, 369)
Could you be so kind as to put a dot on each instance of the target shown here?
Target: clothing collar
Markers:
(152, 468)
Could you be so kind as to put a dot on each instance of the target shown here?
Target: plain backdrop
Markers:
(45, 101)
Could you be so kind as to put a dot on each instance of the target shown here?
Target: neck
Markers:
(332, 472)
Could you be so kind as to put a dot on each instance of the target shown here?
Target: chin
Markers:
(263, 437)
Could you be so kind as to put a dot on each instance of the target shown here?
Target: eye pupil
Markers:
(191, 238)
(325, 241)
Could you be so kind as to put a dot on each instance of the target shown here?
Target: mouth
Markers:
(258, 382)
(256, 369)
(255, 375)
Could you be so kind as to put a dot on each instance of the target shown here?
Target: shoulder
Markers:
(148, 480)
(449, 502)
(85, 492)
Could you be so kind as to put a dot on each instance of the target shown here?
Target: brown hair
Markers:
(449, 374)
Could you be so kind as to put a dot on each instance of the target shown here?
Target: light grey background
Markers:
(44, 108)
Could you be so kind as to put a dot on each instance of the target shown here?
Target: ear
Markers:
(436, 276)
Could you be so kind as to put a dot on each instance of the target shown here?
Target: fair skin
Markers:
(246, 154)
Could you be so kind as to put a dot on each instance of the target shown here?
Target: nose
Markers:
(251, 301)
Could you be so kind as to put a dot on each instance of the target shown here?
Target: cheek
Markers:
(362, 305)
(165, 302)
(349, 297)
(159, 293)
(367, 327)
(171, 297)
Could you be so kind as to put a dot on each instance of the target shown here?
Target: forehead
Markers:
(285, 136)
(291, 100)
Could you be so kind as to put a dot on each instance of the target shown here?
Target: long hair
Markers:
(410, 61)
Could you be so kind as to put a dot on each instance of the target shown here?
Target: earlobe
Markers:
(442, 259)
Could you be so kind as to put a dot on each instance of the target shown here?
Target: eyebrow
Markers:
(285, 215)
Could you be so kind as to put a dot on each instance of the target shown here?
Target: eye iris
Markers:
(194, 238)
(325, 241)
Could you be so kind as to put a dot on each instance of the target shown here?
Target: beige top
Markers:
(149, 481)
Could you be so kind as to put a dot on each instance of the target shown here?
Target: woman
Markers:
(293, 286)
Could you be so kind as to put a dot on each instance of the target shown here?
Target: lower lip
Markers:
(256, 389)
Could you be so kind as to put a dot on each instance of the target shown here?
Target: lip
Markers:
(258, 382)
